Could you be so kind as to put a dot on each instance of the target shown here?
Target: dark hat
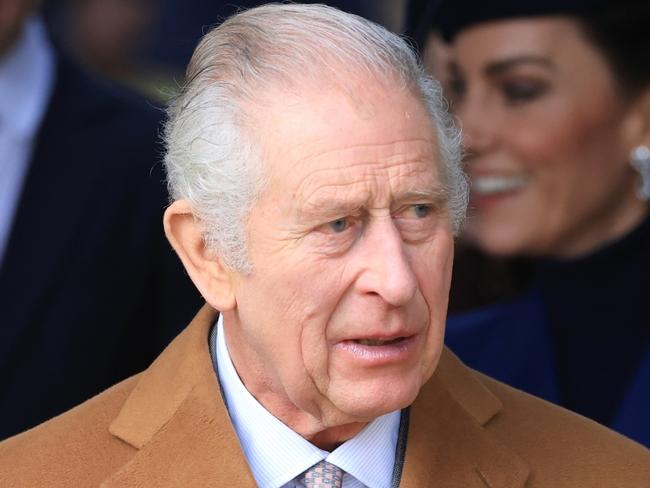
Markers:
(455, 15)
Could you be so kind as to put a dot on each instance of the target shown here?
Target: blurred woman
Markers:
(554, 101)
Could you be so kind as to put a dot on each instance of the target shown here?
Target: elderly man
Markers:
(316, 187)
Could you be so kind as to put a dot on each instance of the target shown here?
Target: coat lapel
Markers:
(196, 447)
(448, 444)
(177, 420)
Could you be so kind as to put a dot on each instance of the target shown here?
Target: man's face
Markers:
(351, 247)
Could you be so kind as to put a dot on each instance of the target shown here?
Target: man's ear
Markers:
(185, 233)
(637, 124)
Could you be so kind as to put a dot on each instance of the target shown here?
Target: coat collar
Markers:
(175, 417)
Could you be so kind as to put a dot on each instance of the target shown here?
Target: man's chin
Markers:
(365, 407)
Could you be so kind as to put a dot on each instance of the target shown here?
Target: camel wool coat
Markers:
(169, 427)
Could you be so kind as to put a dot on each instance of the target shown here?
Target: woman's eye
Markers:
(519, 92)
(339, 225)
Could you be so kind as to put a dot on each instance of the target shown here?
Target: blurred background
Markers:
(148, 43)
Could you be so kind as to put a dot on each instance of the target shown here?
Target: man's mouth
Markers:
(378, 342)
(379, 351)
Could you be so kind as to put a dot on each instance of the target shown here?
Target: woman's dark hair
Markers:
(620, 30)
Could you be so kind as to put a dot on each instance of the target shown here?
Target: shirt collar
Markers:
(26, 79)
(276, 454)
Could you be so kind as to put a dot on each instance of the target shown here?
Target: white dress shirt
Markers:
(26, 80)
(276, 454)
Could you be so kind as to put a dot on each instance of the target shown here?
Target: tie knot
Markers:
(323, 475)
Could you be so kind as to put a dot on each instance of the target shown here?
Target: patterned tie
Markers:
(322, 475)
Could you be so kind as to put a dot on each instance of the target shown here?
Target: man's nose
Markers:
(387, 270)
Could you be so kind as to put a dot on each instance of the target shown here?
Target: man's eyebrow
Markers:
(332, 208)
(325, 206)
(498, 67)
(436, 195)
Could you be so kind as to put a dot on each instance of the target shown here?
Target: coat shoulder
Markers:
(65, 451)
(563, 448)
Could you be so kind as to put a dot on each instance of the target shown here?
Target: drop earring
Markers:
(640, 160)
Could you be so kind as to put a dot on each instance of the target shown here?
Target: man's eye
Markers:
(421, 210)
(338, 225)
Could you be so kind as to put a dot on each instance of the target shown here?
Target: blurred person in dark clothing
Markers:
(554, 99)
(83, 260)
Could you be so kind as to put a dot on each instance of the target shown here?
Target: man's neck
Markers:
(324, 426)
(319, 422)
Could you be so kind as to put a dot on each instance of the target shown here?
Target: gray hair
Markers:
(211, 158)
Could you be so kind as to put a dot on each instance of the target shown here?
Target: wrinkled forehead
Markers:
(367, 131)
